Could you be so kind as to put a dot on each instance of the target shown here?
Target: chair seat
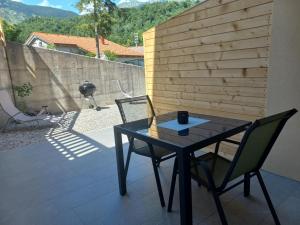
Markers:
(141, 148)
(218, 167)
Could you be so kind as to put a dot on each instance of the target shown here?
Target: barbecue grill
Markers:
(87, 89)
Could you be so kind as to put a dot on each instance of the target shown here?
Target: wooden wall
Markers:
(211, 59)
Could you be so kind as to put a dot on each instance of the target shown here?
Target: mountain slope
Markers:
(130, 3)
(128, 23)
(139, 3)
(15, 12)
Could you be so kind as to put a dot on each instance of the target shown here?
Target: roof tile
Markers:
(88, 44)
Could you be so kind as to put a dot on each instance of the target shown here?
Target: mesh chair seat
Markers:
(141, 148)
(253, 150)
(140, 108)
(218, 167)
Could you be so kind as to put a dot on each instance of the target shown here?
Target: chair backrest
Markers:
(135, 108)
(7, 103)
(256, 144)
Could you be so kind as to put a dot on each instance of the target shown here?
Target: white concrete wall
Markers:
(56, 77)
(283, 90)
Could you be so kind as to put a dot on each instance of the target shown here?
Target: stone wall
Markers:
(56, 76)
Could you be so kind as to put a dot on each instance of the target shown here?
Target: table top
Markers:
(201, 131)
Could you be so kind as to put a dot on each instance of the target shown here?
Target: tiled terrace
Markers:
(56, 182)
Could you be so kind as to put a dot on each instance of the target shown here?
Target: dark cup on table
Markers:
(184, 132)
(183, 117)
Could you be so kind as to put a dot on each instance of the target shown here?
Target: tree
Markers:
(11, 31)
(127, 22)
(99, 15)
(110, 55)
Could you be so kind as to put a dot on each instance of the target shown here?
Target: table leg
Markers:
(186, 215)
(247, 185)
(120, 162)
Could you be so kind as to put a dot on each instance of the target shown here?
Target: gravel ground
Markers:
(81, 122)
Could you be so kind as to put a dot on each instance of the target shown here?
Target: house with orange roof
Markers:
(84, 46)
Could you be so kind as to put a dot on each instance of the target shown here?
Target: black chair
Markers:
(215, 172)
(136, 108)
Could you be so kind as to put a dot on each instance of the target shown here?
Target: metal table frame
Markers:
(183, 154)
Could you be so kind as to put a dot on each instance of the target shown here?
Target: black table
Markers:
(182, 142)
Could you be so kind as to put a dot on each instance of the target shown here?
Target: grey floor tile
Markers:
(288, 212)
(40, 186)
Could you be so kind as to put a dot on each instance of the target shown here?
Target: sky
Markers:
(61, 4)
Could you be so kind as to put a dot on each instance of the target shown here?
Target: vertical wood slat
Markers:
(212, 58)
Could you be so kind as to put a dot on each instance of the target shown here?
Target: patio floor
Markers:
(71, 179)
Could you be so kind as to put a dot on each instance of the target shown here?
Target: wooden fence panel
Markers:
(211, 59)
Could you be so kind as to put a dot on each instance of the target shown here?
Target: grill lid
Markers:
(87, 89)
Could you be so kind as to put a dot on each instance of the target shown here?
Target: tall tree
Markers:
(99, 13)
(10, 30)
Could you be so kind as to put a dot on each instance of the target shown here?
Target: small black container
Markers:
(183, 117)
(184, 132)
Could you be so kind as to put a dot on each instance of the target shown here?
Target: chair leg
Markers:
(158, 163)
(219, 208)
(173, 182)
(38, 124)
(130, 148)
(264, 189)
(161, 196)
(6, 125)
(246, 184)
(193, 156)
(127, 161)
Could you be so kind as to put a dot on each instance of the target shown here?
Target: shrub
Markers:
(23, 90)
(90, 54)
(110, 55)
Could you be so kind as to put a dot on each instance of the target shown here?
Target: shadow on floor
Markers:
(42, 185)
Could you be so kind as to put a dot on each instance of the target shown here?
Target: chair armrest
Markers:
(225, 140)
(232, 141)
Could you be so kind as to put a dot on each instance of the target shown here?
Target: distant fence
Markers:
(56, 76)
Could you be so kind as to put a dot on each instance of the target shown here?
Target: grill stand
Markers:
(91, 100)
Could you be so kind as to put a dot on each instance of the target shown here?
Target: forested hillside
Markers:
(128, 21)
(15, 12)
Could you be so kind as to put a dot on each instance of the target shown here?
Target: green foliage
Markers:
(110, 55)
(98, 14)
(90, 54)
(11, 31)
(15, 12)
(138, 20)
(72, 26)
(51, 46)
(23, 90)
(128, 21)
